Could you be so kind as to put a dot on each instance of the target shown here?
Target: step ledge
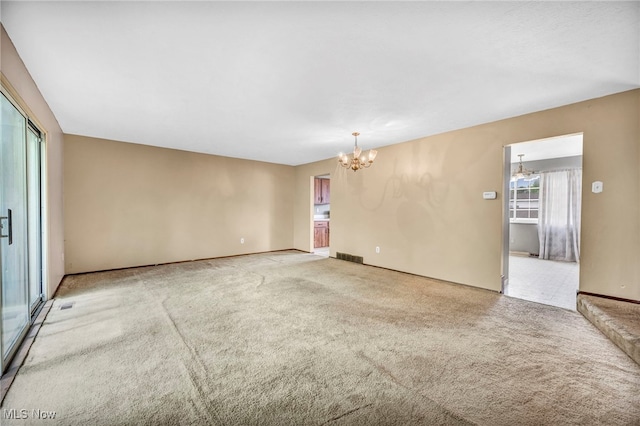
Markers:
(610, 327)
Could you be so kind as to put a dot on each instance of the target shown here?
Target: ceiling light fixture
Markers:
(356, 162)
(521, 172)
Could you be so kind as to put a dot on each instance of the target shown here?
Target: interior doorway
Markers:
(543, 180)
(321, 214)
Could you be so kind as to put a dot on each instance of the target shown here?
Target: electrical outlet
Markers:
(241, 240)
(377, 250)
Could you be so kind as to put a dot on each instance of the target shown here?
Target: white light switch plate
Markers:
(596, 187)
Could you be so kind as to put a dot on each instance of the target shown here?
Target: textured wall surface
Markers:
(131, 205)
(23, 89)
(421, 202)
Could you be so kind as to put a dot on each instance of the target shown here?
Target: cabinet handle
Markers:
(9, 218)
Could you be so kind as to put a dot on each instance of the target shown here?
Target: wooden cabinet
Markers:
(321, 234)
(317, 191)
(321, 191)
(325, 186)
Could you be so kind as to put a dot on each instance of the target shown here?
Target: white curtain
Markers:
(559, 215)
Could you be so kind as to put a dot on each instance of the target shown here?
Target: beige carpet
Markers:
(619, 321)
(293, 338)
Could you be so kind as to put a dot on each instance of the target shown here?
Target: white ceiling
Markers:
(288, 82)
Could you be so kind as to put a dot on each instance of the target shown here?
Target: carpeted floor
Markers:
(618, 320)
(293, 338)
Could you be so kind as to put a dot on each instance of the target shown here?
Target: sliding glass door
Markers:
(20, 226)
(13, 211)
(34, 228)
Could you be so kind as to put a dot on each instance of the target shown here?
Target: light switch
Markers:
(596, 187)
(490, 195)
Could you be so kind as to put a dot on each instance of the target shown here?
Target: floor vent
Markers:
(67, 305)
(349, 257)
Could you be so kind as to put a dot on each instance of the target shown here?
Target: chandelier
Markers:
(356, 162)
(521, 172)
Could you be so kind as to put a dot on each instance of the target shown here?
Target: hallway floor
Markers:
(544, 281)
(321, 251)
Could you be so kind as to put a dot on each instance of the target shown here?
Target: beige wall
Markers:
(22, 88)
(421, 201)
(131, 205)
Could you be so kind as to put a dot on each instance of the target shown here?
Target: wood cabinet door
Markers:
(326, 193)
(318, 237)
(321, 234)
(321, 191)
(317, 191)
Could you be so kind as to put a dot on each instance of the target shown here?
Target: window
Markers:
(524, 195)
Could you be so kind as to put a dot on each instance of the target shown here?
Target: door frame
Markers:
(506, 229)
(506, 179)
(312, 207)
(31, 126)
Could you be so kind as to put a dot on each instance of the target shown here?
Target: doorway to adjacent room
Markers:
(541, 259)
(321, 214)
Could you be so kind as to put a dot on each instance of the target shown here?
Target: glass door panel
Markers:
(13, 243)
(34, 225)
